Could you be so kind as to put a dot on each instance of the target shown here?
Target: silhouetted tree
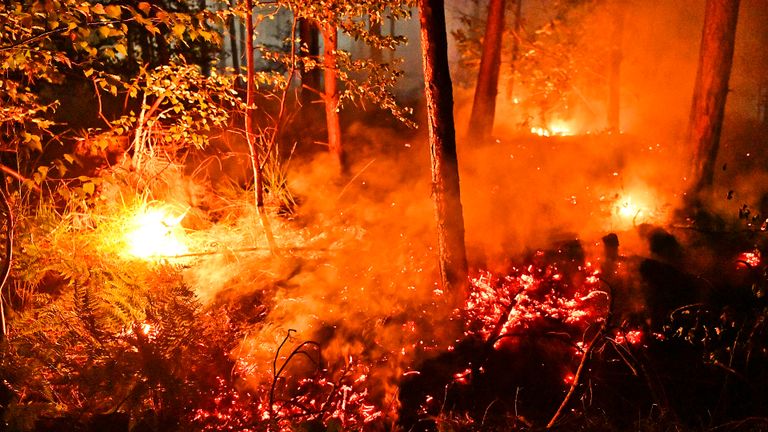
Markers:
(710, 91)
(253, 148)
(331, 95)
(442, 141)
(486, 89)
(232, 28)
(310, 79)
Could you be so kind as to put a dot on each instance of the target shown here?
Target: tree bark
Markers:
(308, 34)
(331, 97)
(442, 141)
(232, 26)
(205, 51)
(375, 29)
(710, 90)
(484, 104)
(253, 148)
(515, 48)
(614, 75)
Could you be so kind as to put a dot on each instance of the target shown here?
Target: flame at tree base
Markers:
(155, 233)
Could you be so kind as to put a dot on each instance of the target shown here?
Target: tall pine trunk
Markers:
(517, 34)
(232, 27)
(253, 148)
(442, 142)
(331, 96)
(484, 104)
(710, 91)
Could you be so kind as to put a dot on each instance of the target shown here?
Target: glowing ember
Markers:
(155, 233)
(632, 337)
(500, 306)
(750, 258)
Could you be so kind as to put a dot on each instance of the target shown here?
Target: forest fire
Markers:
(259, 216)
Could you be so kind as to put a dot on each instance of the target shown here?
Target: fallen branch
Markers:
(15, 174)
(576, 378)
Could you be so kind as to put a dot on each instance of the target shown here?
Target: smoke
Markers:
(356, 269)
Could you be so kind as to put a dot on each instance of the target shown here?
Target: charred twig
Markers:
(503, 318)
(276, 373)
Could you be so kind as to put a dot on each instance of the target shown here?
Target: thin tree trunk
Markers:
(442, 140)
(484, 104)
(232, 25)
(614, 76)
(710, 91)
(308, 34)
(253, 148)
(330, 76)
(375, 29)
(515, 48)
(205, 51)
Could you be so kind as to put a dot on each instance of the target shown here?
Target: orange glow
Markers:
(630, 210)
(554, 128)
(154, 232)
(750, 258)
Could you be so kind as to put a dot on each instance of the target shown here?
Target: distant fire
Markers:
(154, 232)
(555, 128)
(629, 210)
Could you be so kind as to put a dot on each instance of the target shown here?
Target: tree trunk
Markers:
(515, 48)
(375, 29)
(614, 75)
(484, 105)
(442, 141)
(232, 26)
(710, 90)
(331, 97)
(308, 34)
(205, 49)
(250, 100)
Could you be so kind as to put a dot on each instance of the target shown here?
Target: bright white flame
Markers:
(155, 233)
(628, 209)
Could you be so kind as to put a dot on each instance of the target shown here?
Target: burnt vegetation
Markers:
(383, 215)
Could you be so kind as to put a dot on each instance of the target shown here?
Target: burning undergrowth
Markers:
(337, 320)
